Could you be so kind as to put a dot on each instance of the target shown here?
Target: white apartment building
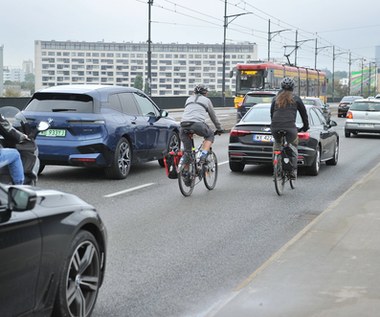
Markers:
(14, 74)
(175, 68)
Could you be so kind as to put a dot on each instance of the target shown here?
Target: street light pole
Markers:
(225, 25)
(270, 37)
(316, 51)
(224, 54)
(297, 46)
(361, 84)
(149, 81)
(333, 66)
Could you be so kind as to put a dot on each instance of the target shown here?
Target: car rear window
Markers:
(365, 106)
(257, 115)
(308, 102)
(258, 99)
(49, 102)
(350, 98)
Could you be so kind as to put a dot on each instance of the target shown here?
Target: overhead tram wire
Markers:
(249, 31)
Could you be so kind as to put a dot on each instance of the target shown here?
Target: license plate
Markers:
(263, 137)
(54, 133)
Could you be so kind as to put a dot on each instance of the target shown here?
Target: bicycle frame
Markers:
(281, 176)
(196, 172)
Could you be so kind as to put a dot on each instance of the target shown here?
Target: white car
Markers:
(363, 116)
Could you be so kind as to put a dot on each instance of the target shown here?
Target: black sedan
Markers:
(251, 141)
(52, 253)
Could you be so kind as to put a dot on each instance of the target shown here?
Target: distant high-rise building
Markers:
(27, 67)
(377, 55)
(175, 68)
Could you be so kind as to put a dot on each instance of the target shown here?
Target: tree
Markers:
(138, 83)
(12, 92)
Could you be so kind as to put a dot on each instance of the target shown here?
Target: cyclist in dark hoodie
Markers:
(283, 114)
(197, 108)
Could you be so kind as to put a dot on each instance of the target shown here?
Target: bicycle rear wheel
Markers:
(210, 171)
(292, 183)
(186, 180)
(278, 175)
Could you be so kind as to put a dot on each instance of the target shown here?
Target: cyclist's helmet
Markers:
(287, 83)
(200, 89)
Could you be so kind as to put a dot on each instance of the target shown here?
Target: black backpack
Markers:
(286, 156)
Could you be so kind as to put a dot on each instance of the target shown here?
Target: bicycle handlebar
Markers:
(219, 132)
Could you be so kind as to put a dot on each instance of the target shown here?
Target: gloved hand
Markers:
(305, 128)
(219, 131)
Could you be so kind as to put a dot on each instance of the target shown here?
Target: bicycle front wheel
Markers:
(186, 180)
(210, 171)
(278, 175)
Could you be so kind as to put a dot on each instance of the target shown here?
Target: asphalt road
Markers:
(174, 256)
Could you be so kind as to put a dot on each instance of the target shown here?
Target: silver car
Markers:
(363, 116)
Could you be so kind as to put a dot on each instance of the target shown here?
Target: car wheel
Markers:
(236, 166)
(314, 168)
(122, 160)
(334, 160)
(347, 133)
(80, 279)
(40, 169)
(173, 144)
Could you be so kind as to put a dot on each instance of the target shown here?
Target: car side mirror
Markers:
(163, 113)
(332, 123)
(21, 199)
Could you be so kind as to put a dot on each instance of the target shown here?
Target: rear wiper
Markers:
(62, 109)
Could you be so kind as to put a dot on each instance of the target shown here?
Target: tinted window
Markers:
(146, 106)
(114, 102)
(316, 119)
(50, 102)
(320, 115)
(128, 103)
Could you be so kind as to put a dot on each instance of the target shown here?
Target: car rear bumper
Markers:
(70, 153)
(250, 154)
(362, 127)
(263, 155)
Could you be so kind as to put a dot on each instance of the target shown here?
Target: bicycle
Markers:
(194, 172)
(281, 175)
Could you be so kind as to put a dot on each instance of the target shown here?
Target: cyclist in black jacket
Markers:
(10, 156)
(283, 114)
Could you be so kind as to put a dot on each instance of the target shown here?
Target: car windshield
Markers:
(3, 198)
(308, 102)
(365, 106)
(48, 102)
(350, 98)
(258, 99)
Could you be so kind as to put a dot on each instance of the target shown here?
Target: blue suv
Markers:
(110, 127)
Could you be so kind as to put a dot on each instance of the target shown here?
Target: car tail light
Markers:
(304, 135)
(238, 133)
(349, 115)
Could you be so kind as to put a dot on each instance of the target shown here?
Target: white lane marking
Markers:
(222, 163)
(128, 190)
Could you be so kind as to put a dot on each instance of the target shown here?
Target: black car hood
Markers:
(49, 198)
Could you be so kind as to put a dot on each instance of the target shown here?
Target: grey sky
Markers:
(347, 25)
